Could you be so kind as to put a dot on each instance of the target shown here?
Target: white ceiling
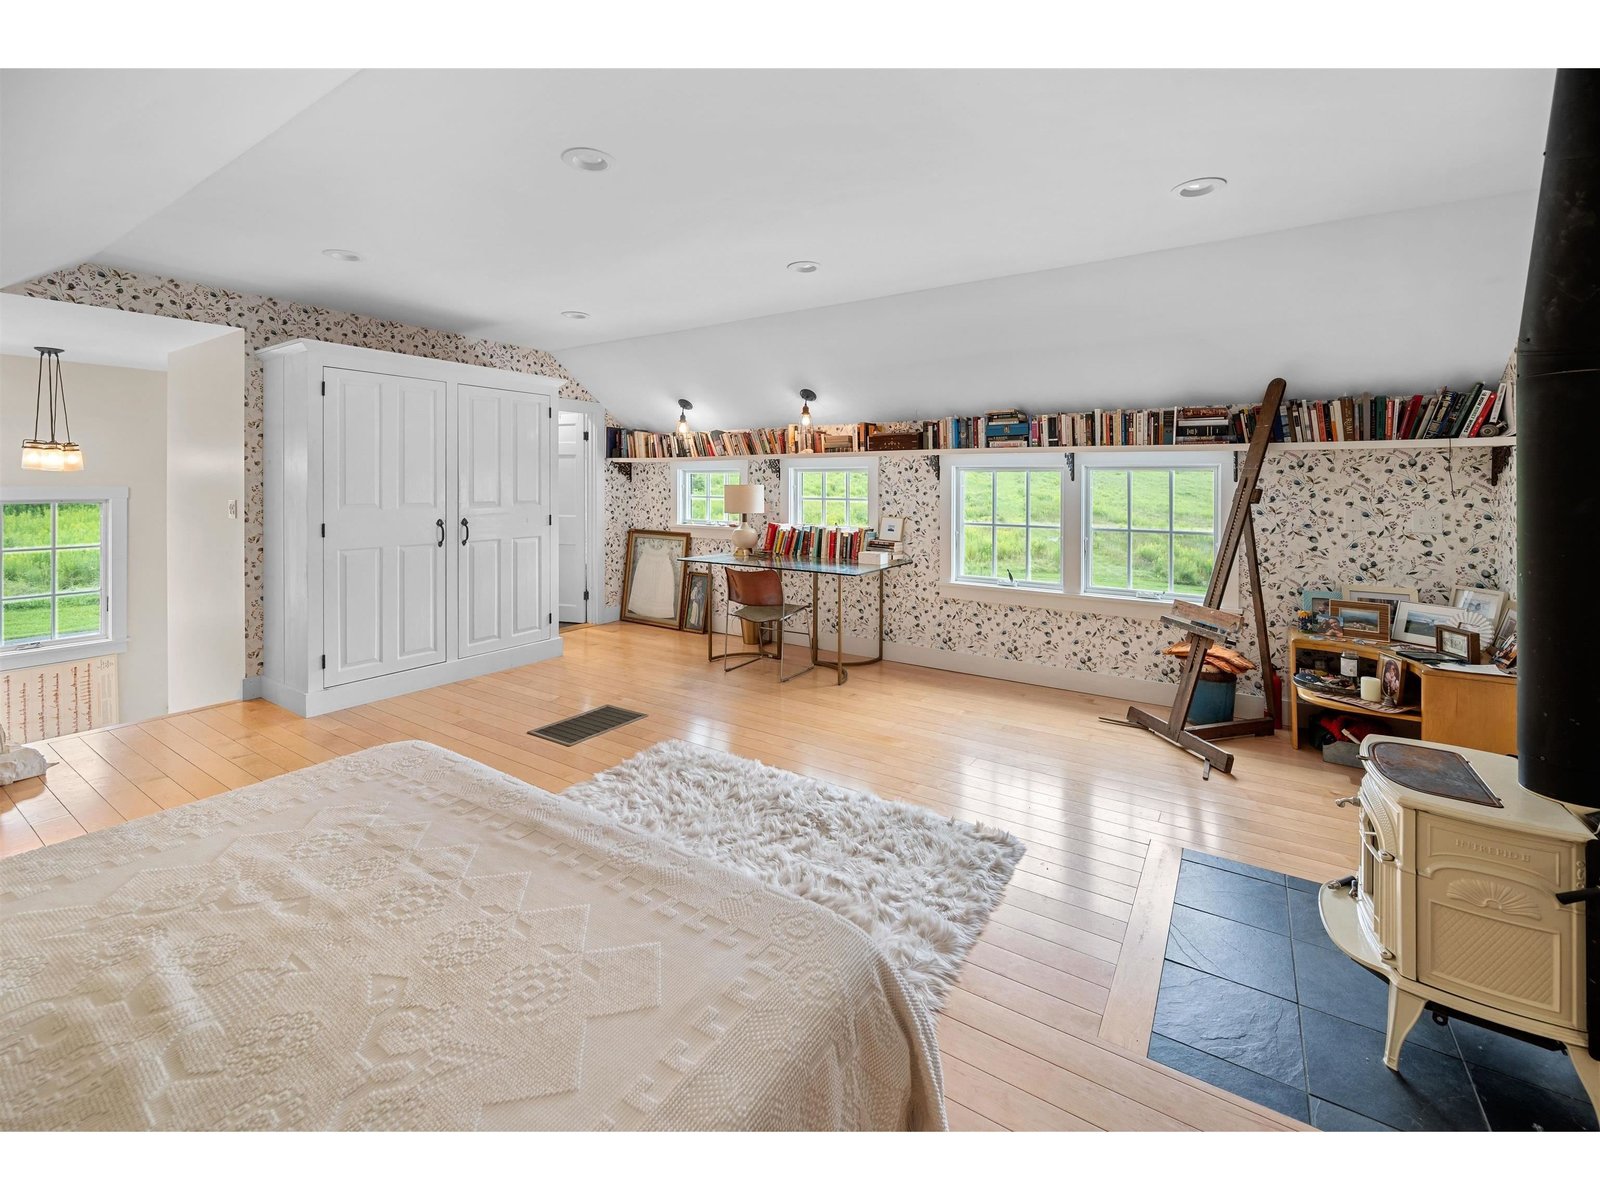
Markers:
(108, 337)
(85, 156)
(449, 182)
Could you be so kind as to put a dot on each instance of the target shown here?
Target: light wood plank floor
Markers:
(1049, 1023)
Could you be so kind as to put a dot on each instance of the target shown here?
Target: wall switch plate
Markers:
(233, 509)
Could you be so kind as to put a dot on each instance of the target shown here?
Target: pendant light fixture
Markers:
(51, 454)
(806, 397)
(683, 417)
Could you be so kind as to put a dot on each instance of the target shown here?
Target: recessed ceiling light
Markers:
(1203, 186)
(803, 266)
(586, 158)
(343, 255)
(573, 314)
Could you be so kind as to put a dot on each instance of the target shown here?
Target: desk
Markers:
(1458, 708)
(840, 571)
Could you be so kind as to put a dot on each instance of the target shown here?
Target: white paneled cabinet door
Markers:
(386, 504)
(505, 533)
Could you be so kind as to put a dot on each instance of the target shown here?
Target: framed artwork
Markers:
(891, 529)
(696, 602)
(1507, 627)
(1414, 623)
(1463, 645)
(652, 577)
(1361, 618)
(1505, 654)
(1483, 601)
(1392, 675)
(1315, 601)
(1389, 595)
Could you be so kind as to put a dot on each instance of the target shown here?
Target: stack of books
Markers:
(818, 543)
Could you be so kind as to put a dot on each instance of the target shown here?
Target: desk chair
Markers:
(757, 597)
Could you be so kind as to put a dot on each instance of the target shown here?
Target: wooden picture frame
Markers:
(1392, 679)
(1414, 623)
(1460, 643)
(652, 577)
(1383, 593)
(1367, 619)
(696, 611)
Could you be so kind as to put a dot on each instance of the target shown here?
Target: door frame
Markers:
(594, 424)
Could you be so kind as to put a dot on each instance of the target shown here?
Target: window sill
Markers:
(711, 531)
(1116, 606)
(56, 652)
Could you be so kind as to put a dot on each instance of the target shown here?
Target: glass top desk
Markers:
(839, 571)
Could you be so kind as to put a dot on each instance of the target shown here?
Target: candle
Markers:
(1371, 688)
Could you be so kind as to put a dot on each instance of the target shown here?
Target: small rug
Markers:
(922, 886)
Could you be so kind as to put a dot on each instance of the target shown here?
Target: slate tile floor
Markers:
(1257, 1000)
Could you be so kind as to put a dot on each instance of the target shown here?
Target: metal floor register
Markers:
(586, 725)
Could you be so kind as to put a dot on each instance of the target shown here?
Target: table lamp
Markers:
(744, 499)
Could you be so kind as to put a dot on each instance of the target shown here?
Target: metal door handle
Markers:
(440, 524)
(466, 531)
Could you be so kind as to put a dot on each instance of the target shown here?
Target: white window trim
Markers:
(1070, 597)
(680, 470)
(789, 507)
(113, 576)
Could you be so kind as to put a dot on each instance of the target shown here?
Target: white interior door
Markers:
(572, 516)
(505, 532)
(384, 500)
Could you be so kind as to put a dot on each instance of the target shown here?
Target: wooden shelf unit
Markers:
(1459, 708)
(1448, 444)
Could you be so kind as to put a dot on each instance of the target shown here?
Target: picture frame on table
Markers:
(891, 529)
(652, 577)
(1507, 627)
(1392, 679)
(1414, 623)
(696, 602)
(1486, 602)
(1384, 593)
(1463, 645)
(1505, 654)
(1316, 601)
(1361, 618)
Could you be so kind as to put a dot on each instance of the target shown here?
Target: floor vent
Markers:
(586, 725)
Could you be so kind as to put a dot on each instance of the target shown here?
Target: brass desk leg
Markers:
(881, 574)
(839, 625)
(711, 607)
(814, 619)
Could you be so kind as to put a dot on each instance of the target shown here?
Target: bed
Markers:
(405, 939)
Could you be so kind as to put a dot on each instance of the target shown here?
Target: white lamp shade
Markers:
(744, 498)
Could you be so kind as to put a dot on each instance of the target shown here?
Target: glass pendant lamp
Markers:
(51, 454)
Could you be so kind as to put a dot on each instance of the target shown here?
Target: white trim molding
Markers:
(788, 479)
(702, 466)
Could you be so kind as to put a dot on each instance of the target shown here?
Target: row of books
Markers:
(819, 543)
(738, 443)
(1479, 411)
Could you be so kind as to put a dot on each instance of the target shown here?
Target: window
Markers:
(1011, 526)
(1122, 530)
(1152, 531)
(61, 572)
(699, 492)
(840, 492)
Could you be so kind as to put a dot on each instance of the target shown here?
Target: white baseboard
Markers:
(609, 613)
(251, 688)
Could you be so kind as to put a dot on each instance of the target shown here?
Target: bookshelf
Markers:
(1449, 444)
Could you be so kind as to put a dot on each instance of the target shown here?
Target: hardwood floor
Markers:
(1047, 1026)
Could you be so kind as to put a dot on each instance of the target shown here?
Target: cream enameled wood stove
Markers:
(1455, 900)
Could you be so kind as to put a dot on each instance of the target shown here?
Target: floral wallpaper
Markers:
(1426, 518)
(1505, 504)
(265, 322)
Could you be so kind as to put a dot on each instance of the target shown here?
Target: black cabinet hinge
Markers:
(324, 387)
(586, 435)
(585, 593)
(549, 618)
(324, 662)
(324, 529)
(550, 519)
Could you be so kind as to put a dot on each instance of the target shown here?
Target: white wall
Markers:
(119, 418)
(1405, 300)
(205, 542)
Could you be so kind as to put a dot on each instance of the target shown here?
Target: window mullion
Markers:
(1172, 511)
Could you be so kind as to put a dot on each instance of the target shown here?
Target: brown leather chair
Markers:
(757, 597)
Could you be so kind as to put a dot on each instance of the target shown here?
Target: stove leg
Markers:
(1404, 1009)
(1588, 1073)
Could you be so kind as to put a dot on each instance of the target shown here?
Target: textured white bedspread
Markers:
(406, 939)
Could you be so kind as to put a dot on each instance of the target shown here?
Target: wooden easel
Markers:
(1206, 624)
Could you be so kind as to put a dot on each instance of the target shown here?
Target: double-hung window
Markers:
(698, 493)
(1118, 531)
(62, 573)
(839, 491)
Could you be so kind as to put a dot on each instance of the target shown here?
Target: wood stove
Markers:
(1457, 901)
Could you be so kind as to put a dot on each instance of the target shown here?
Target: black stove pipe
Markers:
(1558, 482)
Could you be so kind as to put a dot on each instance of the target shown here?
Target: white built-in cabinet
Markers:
(409, 523)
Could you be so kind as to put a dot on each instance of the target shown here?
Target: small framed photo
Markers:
(1505, 654)
(696, 602)
(1483, 601)
(1315, 601)
(1387, 594)
(1414, 623)
(1361, 618)
(891, 529)
(1392, 677)
(1461, 644)
(1507, 627)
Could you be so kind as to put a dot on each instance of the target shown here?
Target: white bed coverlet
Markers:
(405, 939)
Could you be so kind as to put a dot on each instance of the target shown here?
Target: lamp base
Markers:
(744, 540)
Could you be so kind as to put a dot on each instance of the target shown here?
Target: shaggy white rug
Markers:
(921, 885)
